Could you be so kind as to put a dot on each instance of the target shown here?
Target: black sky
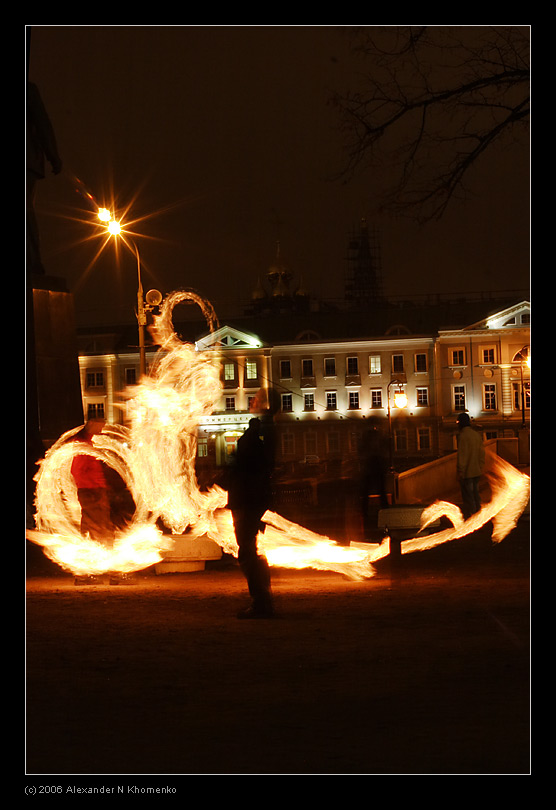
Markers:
(224, 135)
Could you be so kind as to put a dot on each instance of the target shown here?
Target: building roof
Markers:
(413, 318)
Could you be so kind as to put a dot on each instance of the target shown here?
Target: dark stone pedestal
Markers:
(54, 402)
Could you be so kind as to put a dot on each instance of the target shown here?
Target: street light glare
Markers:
(104, 214)
(400, 399)
(114, 227)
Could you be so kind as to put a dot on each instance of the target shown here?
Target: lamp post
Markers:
(400, 401)
(154, 297)
(525, 358)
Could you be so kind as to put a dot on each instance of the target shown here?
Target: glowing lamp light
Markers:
(400, 399)
(104, 214)
(114, 227)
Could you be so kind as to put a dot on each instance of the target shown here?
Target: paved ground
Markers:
(420, 671)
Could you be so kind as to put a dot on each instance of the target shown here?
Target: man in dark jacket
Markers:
(249, 498)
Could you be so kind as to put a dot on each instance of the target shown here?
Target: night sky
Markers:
(221, 142)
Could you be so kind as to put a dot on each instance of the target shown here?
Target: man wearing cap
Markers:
(470, 464)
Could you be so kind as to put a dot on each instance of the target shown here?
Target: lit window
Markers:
(331, 400)
(422, 397)
(353, 400)
(526, 395)
(229, 371)
(489, 397)
(488, 355)
(287, 404)
(309, 402)
(459, 397)
(251, 369)
(374, 364)
(376, 397)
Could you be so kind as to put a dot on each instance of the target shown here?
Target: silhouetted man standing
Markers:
(249, 498)
(470, 463)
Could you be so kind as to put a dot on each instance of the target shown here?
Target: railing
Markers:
(437, 479)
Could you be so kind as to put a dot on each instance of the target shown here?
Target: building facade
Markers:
(323, 394)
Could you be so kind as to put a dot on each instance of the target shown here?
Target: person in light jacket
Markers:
(470, 464)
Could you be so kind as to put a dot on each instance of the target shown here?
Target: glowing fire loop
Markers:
(155, 457)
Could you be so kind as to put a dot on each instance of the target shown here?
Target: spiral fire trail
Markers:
(155, 458)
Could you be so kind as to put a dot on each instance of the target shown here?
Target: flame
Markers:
(510, 495)
(155, 457)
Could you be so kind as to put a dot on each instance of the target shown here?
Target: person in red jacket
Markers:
(92, 488)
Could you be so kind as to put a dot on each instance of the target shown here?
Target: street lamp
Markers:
(153, 296)
(525, 357)
(400, 401)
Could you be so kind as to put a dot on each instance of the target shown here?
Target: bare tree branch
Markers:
(431, 102)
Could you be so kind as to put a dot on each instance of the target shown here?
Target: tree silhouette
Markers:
(429, 104)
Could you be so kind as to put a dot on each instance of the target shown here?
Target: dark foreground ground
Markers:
(425, 671)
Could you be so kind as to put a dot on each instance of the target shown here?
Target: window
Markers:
(422, 397)
(95, 410)
(488, 355)
(251, 369)
(459, 397)
(376, 397)
(374, 364)
(202, 448)
(95, 379)
(251, 403)
(352, 365)
(331, 401)
(130, 376)
(306, 368)
(329, 366)
(353, 400)
(285, 370)
(287, 404)
(310, 443)
(457, 357)
(230, 403)
(526, 395)
(421, 362)
(229, 371)
(333, 442)
(489, 397)
(400, 440)
(309, 402)
(424, 438)
(397, 363)
(288, 444)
